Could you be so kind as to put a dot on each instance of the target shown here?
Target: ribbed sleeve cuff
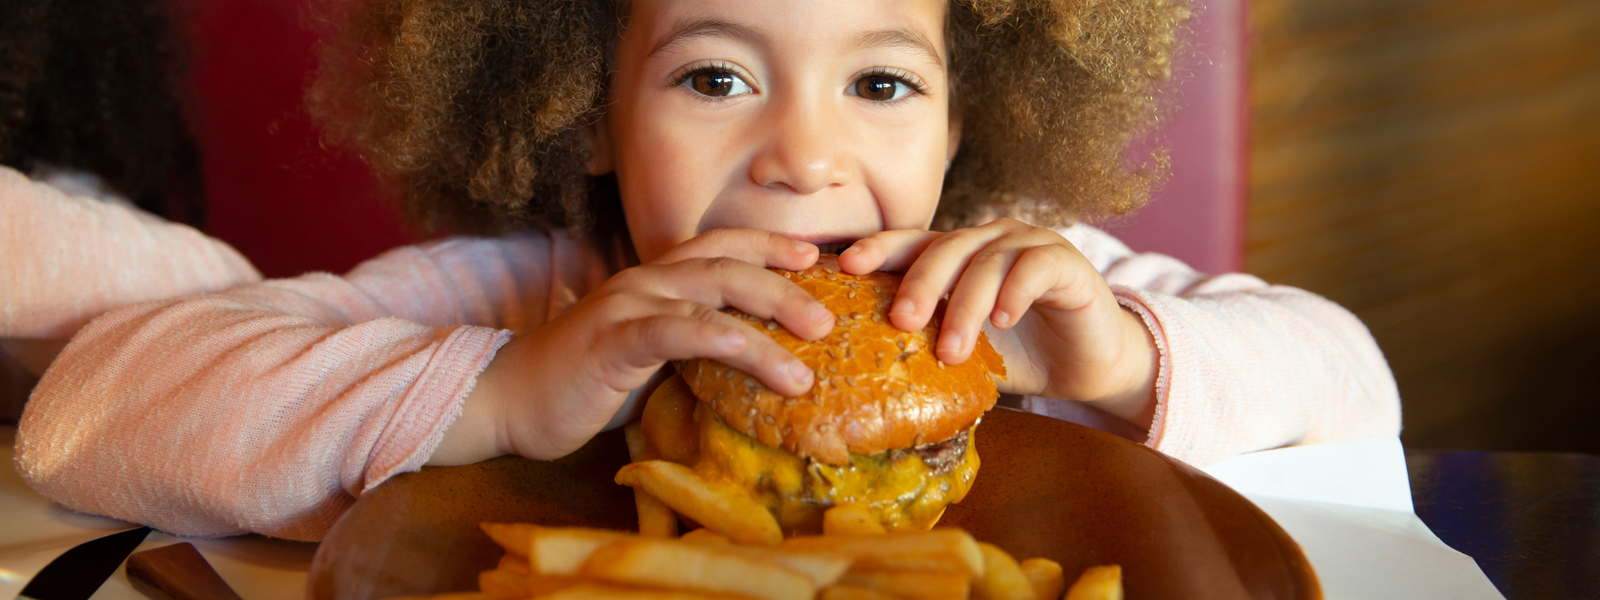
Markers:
(434, 402)
(1137, 301)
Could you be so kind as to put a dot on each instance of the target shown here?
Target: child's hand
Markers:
(1076, 342)
(550, 390)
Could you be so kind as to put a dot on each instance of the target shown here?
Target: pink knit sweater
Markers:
(269, 407)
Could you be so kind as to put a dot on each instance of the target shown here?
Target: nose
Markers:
(805, 149)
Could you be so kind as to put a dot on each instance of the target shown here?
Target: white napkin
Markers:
(1348, 505)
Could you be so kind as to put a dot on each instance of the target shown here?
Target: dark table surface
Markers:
(1530, 519)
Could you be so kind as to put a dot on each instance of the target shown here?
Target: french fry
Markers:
(923, 585)
(511, 536)
(655, 519)
(850, 519)
(1098, 583)
(706, 536)
(1002, 578)
(821, 569)
(718, 506)
(939, 549)
(502, 583)
(601, 591)
(561, 550)
(639, 449)
(668, 420)
(681, 565)
(845, 591)
(1046, 577)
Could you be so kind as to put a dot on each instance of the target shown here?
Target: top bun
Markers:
(877, 388)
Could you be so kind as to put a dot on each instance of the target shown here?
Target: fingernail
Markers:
(903, 307)
(851, 250)
(803, 247)
(950, 342)
(818, 313)
(799, 372)
(1001, 319)
(731, 342)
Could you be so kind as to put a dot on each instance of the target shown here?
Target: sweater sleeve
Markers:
(1245, 365)
(267, 408)
(65, 259)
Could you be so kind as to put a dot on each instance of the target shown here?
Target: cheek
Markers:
(906, 172)
(668, 179)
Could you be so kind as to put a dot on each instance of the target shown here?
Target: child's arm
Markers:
(1228, 363)
(268, 407)
(1247, 365)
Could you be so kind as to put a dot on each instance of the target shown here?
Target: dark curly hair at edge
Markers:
(471, 108)
(96, 85)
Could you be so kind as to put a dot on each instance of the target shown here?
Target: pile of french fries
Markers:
(562, 563)
(740, 551)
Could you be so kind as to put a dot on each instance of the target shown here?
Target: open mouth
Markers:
(833, 248)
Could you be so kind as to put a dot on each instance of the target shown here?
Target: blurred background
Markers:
(1434, 166)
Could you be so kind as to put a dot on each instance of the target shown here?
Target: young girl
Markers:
(691, 144)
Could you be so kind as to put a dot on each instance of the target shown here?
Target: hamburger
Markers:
(887, 426)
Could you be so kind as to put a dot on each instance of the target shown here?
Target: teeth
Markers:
(834, 248)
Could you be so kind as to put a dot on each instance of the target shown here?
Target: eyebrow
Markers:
(699, 27)
(900, 37)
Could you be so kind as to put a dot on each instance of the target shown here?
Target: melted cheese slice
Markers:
(896, 485)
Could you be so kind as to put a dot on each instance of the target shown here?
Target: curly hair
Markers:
(471, 108)
(96, 85)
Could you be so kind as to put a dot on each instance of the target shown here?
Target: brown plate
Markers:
(1046, 488)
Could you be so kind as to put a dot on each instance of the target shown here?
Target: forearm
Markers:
(208, 416)
(480, 432)
(1262, 368)
(1137, 401)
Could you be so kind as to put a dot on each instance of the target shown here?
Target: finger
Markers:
(1054, 274)
(886, 251)
(972, 302)
(646, 343)
(723, 282)
(934, 274)
(760, 248)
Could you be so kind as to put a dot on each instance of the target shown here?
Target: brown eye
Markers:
(717, 83)
(878, 88)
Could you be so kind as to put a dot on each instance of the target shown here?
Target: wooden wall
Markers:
(1434, 165)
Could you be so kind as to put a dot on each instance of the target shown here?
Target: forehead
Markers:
(917, 25)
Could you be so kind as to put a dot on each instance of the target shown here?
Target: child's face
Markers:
(826, 120)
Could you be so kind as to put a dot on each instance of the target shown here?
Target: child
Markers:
(692, 144)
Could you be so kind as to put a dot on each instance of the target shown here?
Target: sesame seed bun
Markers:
(877, 388)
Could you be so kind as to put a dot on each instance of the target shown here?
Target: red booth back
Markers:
(292, 207)
(1198, 216)
(275, 194)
